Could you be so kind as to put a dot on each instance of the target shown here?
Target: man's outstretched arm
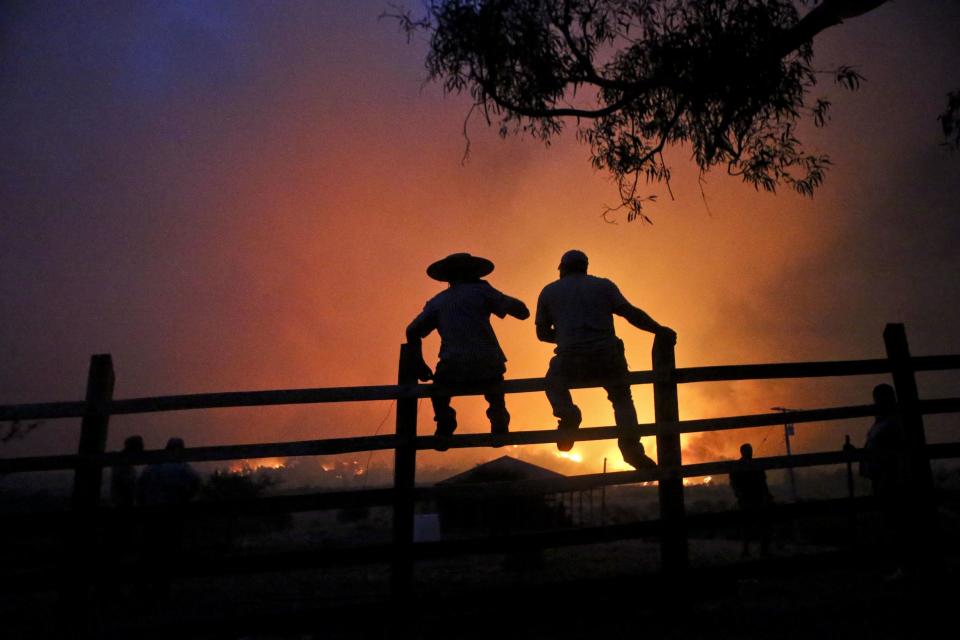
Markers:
(419, 329)
(516, 308)
(642, 320)
(416, 331)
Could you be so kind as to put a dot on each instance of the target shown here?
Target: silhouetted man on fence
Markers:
(749, 484)
(469, 351)
(576, 313)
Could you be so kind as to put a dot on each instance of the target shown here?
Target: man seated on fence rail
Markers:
(469, 351)
(576, 313)
(749, 484)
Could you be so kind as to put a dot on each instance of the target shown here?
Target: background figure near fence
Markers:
(165, 484)
(576, 313)
(883, 445)
(123, 539)
(123, 477)
(749, 484)
(883, 467)
(469, 350)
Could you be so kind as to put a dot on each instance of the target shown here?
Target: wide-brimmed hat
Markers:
(459, 266)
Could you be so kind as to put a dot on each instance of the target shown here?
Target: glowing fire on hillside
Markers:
(572, 457)
(344, 469)
(252, 466)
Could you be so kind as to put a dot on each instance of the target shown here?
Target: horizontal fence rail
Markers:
(529, 487)
(335, 446)
(725, 373)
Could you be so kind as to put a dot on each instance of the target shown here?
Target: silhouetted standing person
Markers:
(883, 445)
(469, 350)
(168, 483)
(576, 313)
(123, 477)
(123, 495)
(165, 484)
(882, 467)
(749, 485)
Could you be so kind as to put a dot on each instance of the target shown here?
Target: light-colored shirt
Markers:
(580, 307)
(461, 314)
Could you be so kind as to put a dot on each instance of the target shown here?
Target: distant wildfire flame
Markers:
(344, 469)
(572, 457)
(251, 466)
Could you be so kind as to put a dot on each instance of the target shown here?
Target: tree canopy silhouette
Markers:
(729, 78)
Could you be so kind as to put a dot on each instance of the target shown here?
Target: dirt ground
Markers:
(810, 587)
(791, 595)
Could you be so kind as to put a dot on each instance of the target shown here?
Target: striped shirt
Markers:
(461, 314)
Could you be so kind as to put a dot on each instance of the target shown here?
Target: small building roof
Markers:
(502, 469)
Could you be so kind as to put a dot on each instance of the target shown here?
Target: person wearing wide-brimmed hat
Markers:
(469, 351)
(576, 313)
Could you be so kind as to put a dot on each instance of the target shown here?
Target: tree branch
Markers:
(552, 112)
(586, 64)
(828, 13)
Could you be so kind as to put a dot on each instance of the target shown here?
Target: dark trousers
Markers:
(451, 374)
(755, 525)
(602, 364)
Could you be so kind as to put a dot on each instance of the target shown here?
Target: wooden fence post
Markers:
(919, 504)
(673, 540)
(908, 402)
(404, 478)
(79, 609)
(93, 432)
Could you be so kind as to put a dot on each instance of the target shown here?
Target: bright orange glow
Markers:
(615, 459)
(572, 457)
(252, 466)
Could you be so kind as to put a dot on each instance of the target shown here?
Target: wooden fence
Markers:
(88, 516)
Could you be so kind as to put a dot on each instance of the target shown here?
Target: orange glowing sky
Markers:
(235, 197)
